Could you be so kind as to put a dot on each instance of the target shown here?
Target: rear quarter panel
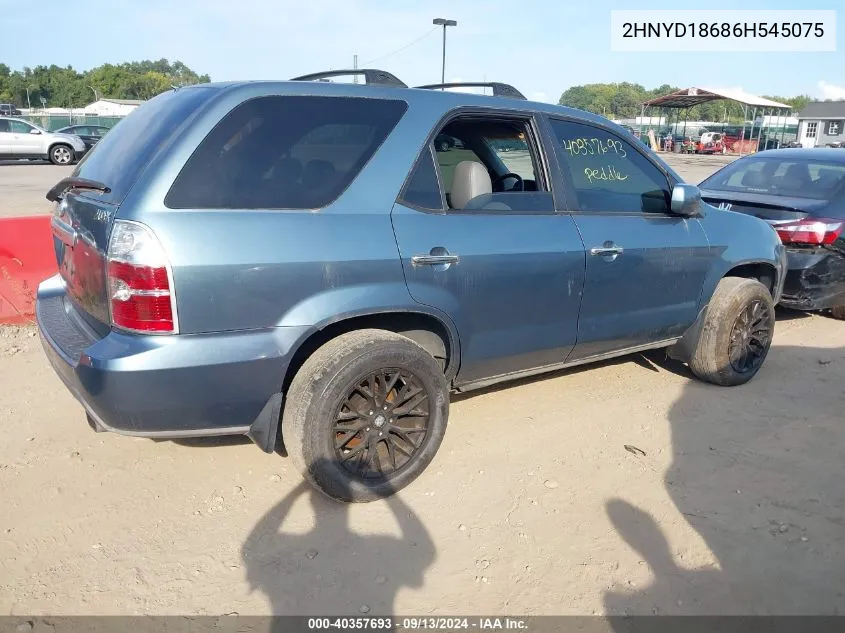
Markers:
(247, 269)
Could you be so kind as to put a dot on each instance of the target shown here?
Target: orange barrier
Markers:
(27, 258)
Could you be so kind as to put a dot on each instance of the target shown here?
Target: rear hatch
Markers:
(88, 201)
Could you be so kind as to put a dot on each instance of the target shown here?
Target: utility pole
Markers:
(355, 67)
(444, 24)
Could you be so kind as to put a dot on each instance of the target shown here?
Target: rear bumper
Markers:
(168, 386)
(815, 279)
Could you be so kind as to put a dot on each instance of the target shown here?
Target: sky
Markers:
(541, 47)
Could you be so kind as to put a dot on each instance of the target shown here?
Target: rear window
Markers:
(119, 158)
(284, 152)
(789, 177)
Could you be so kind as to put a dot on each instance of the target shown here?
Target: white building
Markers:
(770, 121)
(112, 107)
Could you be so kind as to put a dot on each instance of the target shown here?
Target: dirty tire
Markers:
(61, 155)
(324, 386)
(725, 317)
(838, 312)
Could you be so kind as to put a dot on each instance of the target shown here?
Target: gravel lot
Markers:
(733, 504)
(23, 185)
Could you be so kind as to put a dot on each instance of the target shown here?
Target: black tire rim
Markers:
(750, 338)
(381, 426)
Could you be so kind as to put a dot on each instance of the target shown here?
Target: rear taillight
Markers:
(139, 281)
(816, 231)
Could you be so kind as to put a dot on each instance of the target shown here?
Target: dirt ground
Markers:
(726, 500)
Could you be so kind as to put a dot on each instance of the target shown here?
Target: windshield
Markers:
(789, 177)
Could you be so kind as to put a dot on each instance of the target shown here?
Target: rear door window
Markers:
(284, 152)
(423, 188)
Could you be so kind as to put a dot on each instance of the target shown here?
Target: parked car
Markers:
(89, 134)
(22, 139)
(444, 142)
(7, 109)
(712, 143)
(225, 270)
(801, 193)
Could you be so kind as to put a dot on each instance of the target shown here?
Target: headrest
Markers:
(754, 180)
(469, 180)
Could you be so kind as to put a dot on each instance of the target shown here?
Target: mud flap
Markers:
(684, 349)
(264, 430)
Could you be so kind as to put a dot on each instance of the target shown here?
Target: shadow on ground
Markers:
(758, 472)
(329, 569)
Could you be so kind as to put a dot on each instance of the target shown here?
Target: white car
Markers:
(22, 139)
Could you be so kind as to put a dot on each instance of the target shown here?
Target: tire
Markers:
(741, 311)
(443, 146)
(838, 312)
(324, 396)
(61, 154)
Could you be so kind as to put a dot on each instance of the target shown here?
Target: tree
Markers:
(68, 88)
(625, 100)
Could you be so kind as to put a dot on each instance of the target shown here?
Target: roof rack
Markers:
(371, 76)
(499, 89)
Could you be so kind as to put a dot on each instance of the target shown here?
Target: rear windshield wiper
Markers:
(63, 186)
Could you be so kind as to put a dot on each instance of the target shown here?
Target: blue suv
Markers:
(302, 257)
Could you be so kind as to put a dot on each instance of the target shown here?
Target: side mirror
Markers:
(686, 200)
(34, 132)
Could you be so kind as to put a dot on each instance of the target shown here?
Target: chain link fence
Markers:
(53, 122)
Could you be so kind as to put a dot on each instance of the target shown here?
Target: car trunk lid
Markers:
(771, 208)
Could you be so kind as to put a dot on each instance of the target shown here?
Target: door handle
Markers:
(66, 233)
(433, 260)
(607, 250)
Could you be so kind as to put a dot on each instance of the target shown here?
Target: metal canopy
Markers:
(689, 97)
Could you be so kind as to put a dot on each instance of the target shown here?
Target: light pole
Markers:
(444, 24)
(28, 104)
(96, 97)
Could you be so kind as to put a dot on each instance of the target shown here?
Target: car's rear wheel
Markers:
(365, 415)
(838, 312)
(737, 333)
(61, 155)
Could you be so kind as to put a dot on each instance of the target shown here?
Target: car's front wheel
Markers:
(736, 334)
(61, 155)
(365, 415)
